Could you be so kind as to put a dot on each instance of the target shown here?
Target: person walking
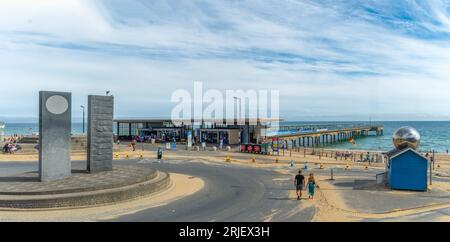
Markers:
(311, 186)
(299, 182)
(133, 144)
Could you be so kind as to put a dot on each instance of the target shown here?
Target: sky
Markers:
(329, 59)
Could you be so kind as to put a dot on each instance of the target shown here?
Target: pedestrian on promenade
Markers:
(133, 144)
(299, 182)
(311, 186)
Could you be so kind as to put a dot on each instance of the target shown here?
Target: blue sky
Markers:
(329, 59)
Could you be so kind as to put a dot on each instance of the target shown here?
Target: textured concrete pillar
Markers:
(55, 124)
(100, 133)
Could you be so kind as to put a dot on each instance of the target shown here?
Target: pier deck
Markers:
(322, 137)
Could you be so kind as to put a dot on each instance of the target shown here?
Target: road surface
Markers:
(231, 193)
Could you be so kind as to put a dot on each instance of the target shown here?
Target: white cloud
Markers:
(323, 59)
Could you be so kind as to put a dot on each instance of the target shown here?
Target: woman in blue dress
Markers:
(311, 186)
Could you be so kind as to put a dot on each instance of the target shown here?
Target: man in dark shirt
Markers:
(299, 183)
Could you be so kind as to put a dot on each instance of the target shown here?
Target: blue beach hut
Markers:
(407, 170)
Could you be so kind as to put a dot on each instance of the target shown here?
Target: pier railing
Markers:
(322, 135)
(329, 126)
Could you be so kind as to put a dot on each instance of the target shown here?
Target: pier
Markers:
(319, 136)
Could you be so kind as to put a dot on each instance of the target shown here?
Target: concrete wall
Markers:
(55, 125)
(100, 133)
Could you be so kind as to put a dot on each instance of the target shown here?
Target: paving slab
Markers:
(82, 188)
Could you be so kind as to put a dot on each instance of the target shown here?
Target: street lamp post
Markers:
(240, 128)
(83, 117)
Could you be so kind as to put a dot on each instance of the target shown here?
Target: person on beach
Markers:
(133, 144)
(311, 186)
(6, 148)
(299, 182)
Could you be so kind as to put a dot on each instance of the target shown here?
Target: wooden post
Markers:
(433, 160)
(431, 174)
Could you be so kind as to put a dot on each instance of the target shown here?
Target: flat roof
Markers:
(149, 120)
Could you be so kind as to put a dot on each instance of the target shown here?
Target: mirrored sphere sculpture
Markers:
(406, 137)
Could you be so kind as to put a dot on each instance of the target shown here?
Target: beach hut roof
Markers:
(396, 152)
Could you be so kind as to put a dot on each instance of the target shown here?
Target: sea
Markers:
(435, 135)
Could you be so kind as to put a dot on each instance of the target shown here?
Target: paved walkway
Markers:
(363, 195)
(80, 181)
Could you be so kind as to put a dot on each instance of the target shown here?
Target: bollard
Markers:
(366, 167)
(347, 167)
(159, 154)
(228, 159)
(253, 159)
(127, 156)
(321, 166)
(277, 160)
(141, 156)
(332, 175)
